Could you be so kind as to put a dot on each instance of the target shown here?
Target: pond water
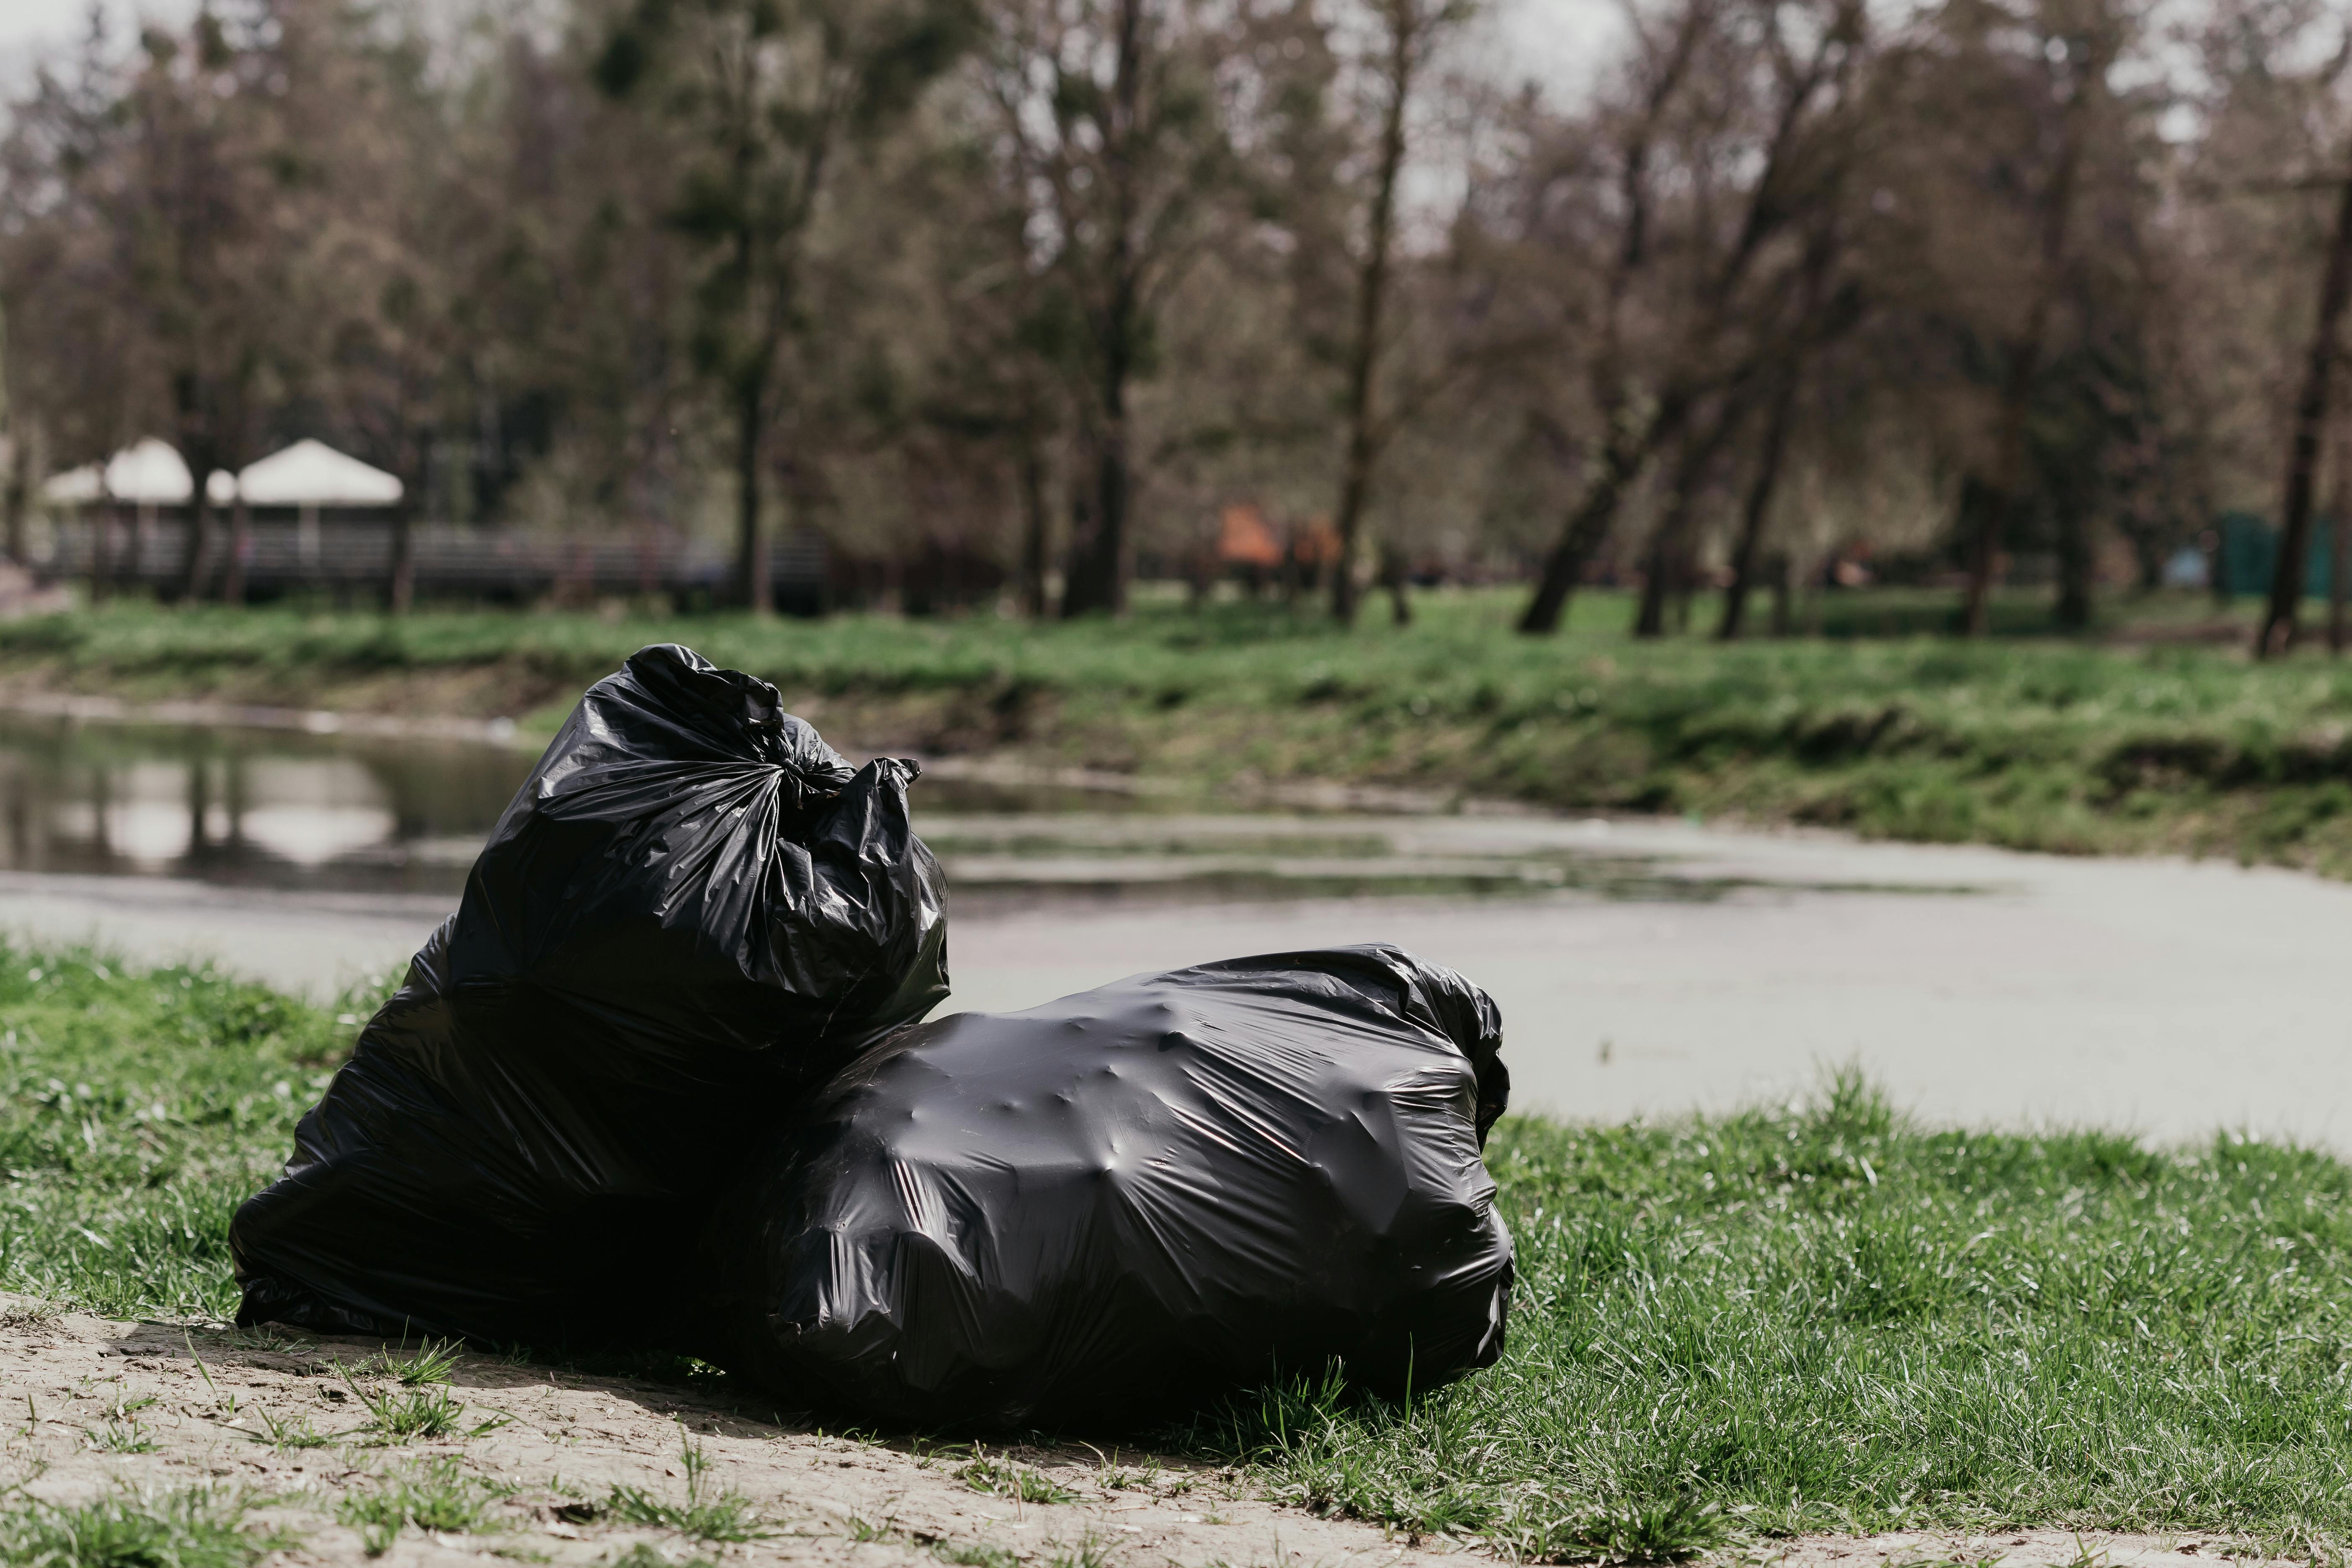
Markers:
(290, 809)
(260, 807)
(1643, 967)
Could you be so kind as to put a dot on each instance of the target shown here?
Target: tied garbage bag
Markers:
(1122, 1202)
(692, 912)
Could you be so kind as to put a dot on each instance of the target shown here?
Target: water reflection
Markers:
(343, 813)
(261, 808)
(292, 808)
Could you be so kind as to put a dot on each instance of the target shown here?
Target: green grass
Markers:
(705, 1513)
(1090, 1550)
(439, 1497)
(137, 1110)
(196, 1528)
(975, 1554)
(415, 1407)
(2076, 745)
(1824, 1317)
(121, 1435)
(291, 1432)
(644, 1554)
(1828, 1318)
(429, 1364)
(403, 1416)
(1001, 1477)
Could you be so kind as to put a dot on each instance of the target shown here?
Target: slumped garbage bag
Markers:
(693, 912)
(1132, 1199)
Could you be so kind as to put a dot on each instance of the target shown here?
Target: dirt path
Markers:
(81, 1397)
(2012, 1549)
(281, 1423)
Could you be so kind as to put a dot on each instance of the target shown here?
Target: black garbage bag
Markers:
(1126, 1202)
(692, 913)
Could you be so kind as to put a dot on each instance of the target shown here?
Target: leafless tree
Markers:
(769, 94)
(1711, 348)
(1409, 34)
(2080, 51)
(1113, 127)
(2280, 617)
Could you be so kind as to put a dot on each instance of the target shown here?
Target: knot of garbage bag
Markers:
(732, 716)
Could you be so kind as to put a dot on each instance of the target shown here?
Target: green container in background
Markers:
(2250, 554)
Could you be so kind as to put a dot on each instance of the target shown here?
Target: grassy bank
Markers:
(1827, 1319)
(2073, 746)
(137, 1109)
(1820, 1318)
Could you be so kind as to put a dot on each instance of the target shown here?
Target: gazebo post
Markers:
(240, 544)
(306, 540)
(101, 551)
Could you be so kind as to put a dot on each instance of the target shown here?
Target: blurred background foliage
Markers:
(1014, 300)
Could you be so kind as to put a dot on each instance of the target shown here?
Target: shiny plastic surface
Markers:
(693, 911)
(1122, 1202)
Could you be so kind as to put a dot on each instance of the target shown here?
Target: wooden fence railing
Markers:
(490, 563)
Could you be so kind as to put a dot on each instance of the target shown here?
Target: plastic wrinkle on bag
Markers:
(1121, 1204)
(692, 913)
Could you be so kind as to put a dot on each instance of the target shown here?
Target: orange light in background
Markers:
(1245, 540)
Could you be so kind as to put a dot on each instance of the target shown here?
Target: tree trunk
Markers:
(1756, 509)
(1396, 578)
(240, 543)
(1662, 568)
(199, 808)
(2339, 580)
(2279, 621)
(200, 539)
(1627, 453)
(19, 456)
(1658, 568)
(2339, 541)
(2072, 610)
(2009, 465)
(1034, 541)
(2147, 566)
(1670, 556)
(1355, 482)
(1098, 572)
(2025, 360)
(752, 590)
(101, 551)
(1082, 483)
(19, 488)
(19, 496)
(1372, 301)
(400, 591)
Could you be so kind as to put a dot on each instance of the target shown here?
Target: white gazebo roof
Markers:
(311, 473)
(74, 486)
(149, 474)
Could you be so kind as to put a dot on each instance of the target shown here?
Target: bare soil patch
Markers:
(91, 1408)
(2009, 1549)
